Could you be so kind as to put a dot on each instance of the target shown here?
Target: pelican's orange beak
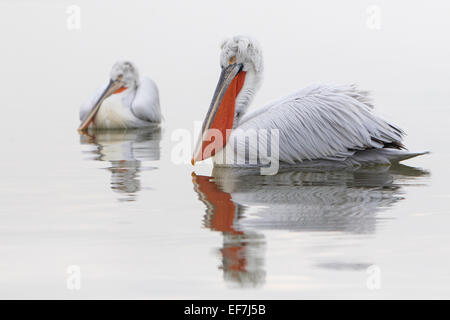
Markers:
(220, 116)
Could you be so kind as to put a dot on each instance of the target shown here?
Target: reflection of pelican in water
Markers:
(326, 124)
(127, 101)
(125, 150)
(296, 200)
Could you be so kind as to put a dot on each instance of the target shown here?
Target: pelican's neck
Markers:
(245, 97)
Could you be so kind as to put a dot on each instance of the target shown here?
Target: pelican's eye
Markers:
(232, 59)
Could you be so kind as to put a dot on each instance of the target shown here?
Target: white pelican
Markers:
(302, 199)
(124, 102)
(320, 124)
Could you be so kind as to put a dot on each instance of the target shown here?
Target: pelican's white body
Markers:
(320, 124)
(133, 108)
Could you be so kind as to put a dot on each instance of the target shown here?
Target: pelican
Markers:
(126, 101)
(318, 125)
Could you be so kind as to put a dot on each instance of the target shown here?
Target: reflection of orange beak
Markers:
(221, 209)
(220, 116)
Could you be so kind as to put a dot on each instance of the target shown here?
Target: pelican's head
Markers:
(123, 76)
(126, 73)
(242, 66)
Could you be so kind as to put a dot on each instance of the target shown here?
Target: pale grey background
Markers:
(57, 206)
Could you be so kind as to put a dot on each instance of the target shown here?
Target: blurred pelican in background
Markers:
(125, 150)
(320, 124)
(126, 101)
(241, 204)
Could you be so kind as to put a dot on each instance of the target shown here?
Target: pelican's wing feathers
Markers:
(324, 122)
